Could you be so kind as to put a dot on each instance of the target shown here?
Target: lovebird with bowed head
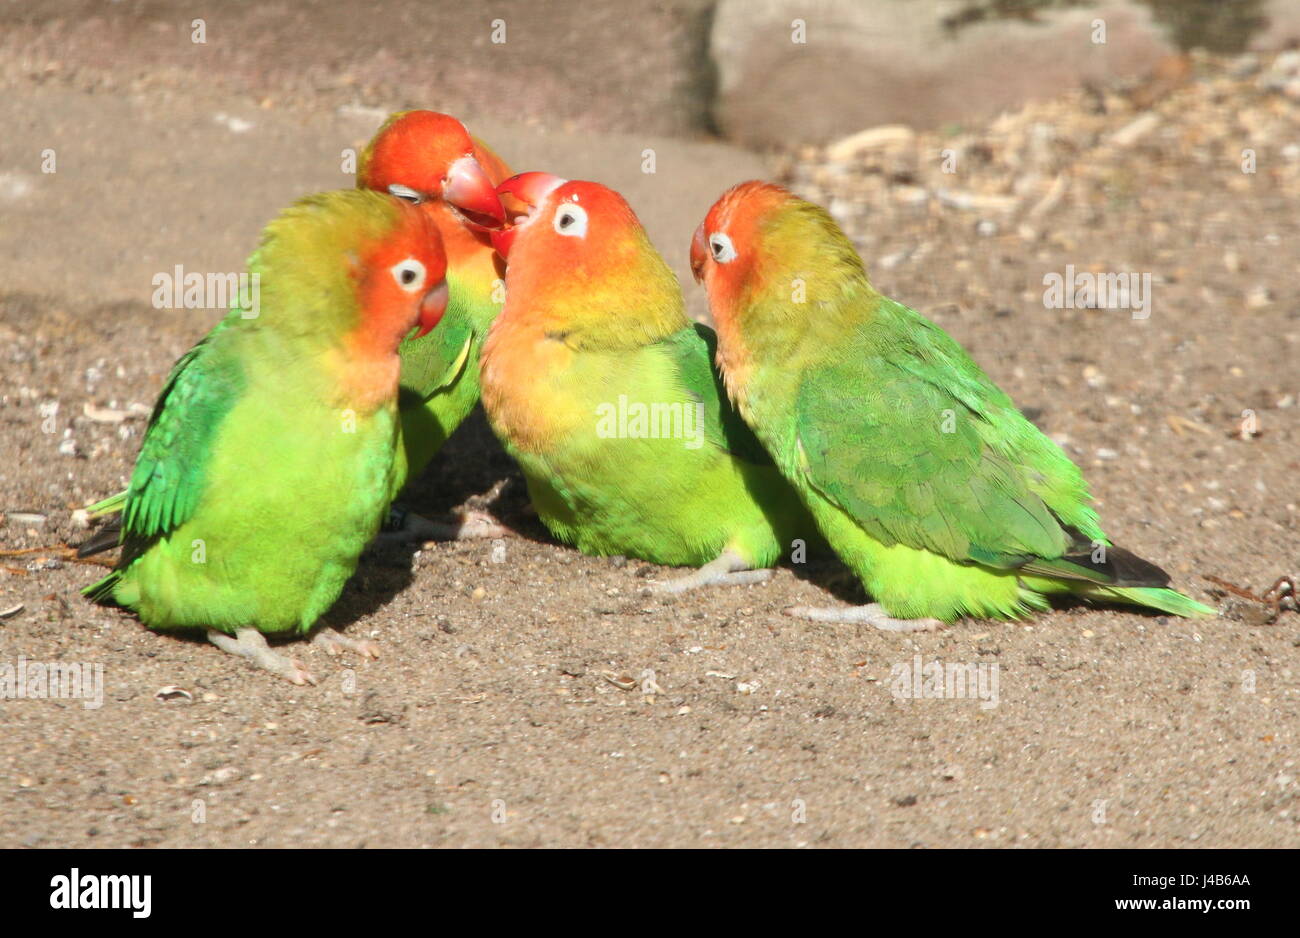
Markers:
(432, 161)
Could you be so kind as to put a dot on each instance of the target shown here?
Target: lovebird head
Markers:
(351, 268)
(579, 262)
(430, 160)
(764, 252)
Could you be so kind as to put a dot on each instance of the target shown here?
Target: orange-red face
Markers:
(426, 157)
(402, 279)
(726, 247)
(569, 224)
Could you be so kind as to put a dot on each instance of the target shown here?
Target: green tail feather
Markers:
(1166, 600)
(107, 506)
(101, 591)
(1119, 576)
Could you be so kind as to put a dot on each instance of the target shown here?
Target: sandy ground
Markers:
(497, 714)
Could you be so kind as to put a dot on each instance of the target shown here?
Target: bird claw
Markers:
(872, 614)
(335, 643)
(299, 674)
(728, 569)
(695, 580)
(250, 644)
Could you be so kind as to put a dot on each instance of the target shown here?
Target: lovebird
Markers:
(268, 461)
(921, 473)
(430, 160)
(604, 392)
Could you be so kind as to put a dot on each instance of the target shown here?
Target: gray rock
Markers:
(896, 62)
(1280, 26)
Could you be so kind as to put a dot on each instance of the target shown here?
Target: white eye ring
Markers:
(405, 192)
(571, 220)
(409, 275)
(721, 247)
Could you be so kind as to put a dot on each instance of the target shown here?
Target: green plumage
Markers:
(258, 484)
(922, 474)
(658, 499)
(439, 384)
(562, 386)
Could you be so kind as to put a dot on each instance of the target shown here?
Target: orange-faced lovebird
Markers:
(430, 160)
(604, 392)
(267, 465)
(921, 473)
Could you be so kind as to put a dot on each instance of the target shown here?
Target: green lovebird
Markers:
(605, 394)
(267, 465)
(430, 160)
(921, 473)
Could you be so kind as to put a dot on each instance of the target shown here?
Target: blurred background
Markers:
(189, 124)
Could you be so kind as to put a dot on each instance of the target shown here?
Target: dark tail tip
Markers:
(1113, 565)
(106, 538)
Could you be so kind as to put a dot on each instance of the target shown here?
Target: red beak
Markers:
(502, 239)
(468, 188)
(432, 308)
(529, 188)
(699, 253)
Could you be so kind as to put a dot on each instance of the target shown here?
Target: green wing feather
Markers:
(169, 474)
(168, 477)
(931, 454)
(439, 385)
(111, 505)
(692, 350)
(434, 362)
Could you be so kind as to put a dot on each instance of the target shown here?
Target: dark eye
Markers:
(405, 193)
(409, 274)
(721, 247)
(571, 220)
